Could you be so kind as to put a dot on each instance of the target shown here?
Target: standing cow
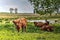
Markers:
(20, 23)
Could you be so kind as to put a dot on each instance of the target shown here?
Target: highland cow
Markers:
(38, 24)
(20, 23)
(44, 26)
(47, 28)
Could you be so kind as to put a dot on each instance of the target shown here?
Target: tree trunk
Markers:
(34, 11)
(45, 11)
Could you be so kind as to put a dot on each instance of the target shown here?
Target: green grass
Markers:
(9, 32)
(9, 16)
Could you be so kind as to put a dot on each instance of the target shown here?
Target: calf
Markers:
(20, 23)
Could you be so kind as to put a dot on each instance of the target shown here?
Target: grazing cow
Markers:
(20, 23)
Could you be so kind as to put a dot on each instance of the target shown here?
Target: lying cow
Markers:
(20, 23)
(38, 24)
(47, 27)
(44, 26)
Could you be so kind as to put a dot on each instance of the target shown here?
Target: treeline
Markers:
(45, 6)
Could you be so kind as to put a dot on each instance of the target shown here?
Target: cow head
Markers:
(16, 22)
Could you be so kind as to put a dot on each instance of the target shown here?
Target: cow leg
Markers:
(51, 29)
(24, 28)
(18, 29)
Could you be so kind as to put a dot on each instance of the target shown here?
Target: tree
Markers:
(11, 9)
(43, 4)
(47, 6)
(56, 4)
(16, 10)
(35, 4)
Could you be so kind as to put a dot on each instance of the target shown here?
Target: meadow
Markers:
(8, 29)
(8, 32)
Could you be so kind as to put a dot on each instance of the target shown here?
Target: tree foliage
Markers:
(46, 6)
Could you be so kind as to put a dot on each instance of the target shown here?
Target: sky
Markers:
(23, 6)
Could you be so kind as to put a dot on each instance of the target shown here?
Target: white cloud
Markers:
(22, 5)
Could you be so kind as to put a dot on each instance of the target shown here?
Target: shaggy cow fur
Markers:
(20, 23)
(44, 26)
(47, 28)
(38, 24)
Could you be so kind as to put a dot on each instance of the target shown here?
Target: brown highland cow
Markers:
(20, 23)
(44, 26)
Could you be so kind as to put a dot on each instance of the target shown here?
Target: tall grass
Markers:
(8, 32)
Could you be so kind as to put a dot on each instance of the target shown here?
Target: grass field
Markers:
(29, 16)
(9, 32)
